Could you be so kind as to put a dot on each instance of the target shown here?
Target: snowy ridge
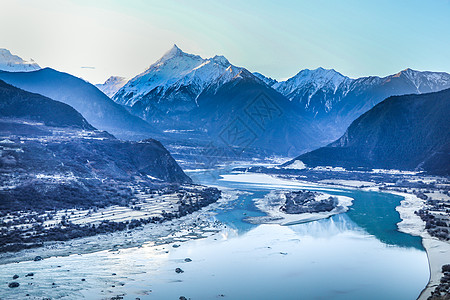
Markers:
(174, 71)
(314, 80)
(13, 63)
(328, 87)
(112, 85)
(424, 81)
(334, 82)
(267, 80)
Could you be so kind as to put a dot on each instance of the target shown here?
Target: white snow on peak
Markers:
(267, 80)
(176, 69)
(424, 81)
(314, 80)
(112, 85)
(13, 63)
(220, 59)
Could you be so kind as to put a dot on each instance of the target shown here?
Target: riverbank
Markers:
(438, 251)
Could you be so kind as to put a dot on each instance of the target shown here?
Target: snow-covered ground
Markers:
(348, 183)
(272, 182)
(146, 206)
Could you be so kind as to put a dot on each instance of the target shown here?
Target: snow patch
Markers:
(112, 85)
(296, 165)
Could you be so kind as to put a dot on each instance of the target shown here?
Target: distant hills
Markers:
(410, 132)
(17, 103)
(95, 106)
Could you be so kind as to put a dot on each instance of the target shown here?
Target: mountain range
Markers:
(334, 100)
(196, 105)
(211, 98)
(409, 132)
(179, 91)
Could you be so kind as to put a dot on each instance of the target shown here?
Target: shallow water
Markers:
(356, 255)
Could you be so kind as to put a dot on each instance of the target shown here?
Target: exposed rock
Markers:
(13, 284)
(178, 270)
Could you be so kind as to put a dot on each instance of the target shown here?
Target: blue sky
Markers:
(276, 38)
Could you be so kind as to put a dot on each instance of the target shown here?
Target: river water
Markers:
(355, 255)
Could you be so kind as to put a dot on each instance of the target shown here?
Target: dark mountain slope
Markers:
(17, 103)
(263, 115)
(410, 132)
(96, 107)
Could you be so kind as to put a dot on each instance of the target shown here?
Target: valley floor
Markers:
(195, 225)
(201, 224)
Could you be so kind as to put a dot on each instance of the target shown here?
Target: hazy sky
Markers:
(276, 38)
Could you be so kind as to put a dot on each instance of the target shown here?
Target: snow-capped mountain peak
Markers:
(13, 63)
(112, 85)
(175, 50)
(177, 70)
(423, 81)
(220, 59)
(174, 53)
(315, 90)
(319, 78)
